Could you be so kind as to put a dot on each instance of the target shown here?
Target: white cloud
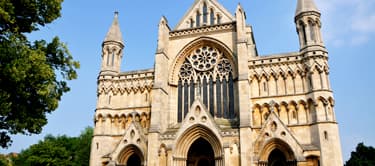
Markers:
(352, 21)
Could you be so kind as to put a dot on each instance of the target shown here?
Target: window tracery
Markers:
(206, 73)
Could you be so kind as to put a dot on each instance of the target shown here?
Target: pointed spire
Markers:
(114, 33)
(306, 6)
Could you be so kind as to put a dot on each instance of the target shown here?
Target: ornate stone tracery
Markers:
(205, 62)
(206, 73)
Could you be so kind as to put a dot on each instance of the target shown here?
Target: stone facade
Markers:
(212, 100)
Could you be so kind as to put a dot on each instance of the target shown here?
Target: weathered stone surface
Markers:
(211, 89)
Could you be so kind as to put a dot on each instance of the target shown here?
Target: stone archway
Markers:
(200, 154)
(189, 151)
(277, 158)
(277, 153)
(131, 156)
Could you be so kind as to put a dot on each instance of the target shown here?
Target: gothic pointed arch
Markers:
(131, 155)
(276, 152)
(198, 43)
(200, 6)
(132, 148)
(205, 68)
(193, 134)
(275, 135)
(279, 144)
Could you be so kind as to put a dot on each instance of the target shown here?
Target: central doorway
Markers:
(131, 156)
(277, 158)
(134, 160)
(200, 154)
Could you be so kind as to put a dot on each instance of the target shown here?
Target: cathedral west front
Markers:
(212, 100)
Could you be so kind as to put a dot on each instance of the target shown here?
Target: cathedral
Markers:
(212, 100)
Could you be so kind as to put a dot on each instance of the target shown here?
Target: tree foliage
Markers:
(33, 75)
(5, 160)
(362, 156)
(57, 151)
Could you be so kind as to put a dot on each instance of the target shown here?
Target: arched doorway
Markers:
(200, 154)
(192, 140)
(131, 156)
(277, 158)
(277, 153)
(134, 160)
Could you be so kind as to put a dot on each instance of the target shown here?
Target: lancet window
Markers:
(206, 74)
(198, 19)
(212, 17)
(303, 29)
(205, 14)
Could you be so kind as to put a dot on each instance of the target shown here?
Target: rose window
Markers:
(204, 58)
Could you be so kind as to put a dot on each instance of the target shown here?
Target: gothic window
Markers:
(198, 19)
(205, 14)
(264, 86)
(113, 58)
(212, 17)
(107, 60)
(312, 31)
(325, 135)
(303, 31)
(218, 19)
(206, 73)
(191, 23)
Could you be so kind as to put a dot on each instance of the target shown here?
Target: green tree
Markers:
(83, 148)
(58, 151)
(362, 156)
(4, 161)
(33, 75)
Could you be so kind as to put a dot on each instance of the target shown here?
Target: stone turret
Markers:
(307, 19)
(112, 48)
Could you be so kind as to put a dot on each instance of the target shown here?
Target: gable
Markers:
(275, 133)
(133, 137)
(204, 13)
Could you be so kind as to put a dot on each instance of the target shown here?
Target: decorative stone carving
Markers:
(132, 82)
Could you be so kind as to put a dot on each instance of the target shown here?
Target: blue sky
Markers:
(348, 32)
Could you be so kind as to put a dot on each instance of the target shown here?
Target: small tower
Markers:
(307, 19)
(112, 49)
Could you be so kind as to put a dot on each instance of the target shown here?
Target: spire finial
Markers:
(306, 6)
(114, 33)
(116, 14)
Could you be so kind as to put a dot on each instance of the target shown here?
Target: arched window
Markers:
(303, 32)
(205, 14)
(325, 135)
(265, 86)
(113, 58)
(108, 60)
(312, 31)
(218, 19)
(208, 74)
(212, 17)
(198, 19)
(191, 23)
